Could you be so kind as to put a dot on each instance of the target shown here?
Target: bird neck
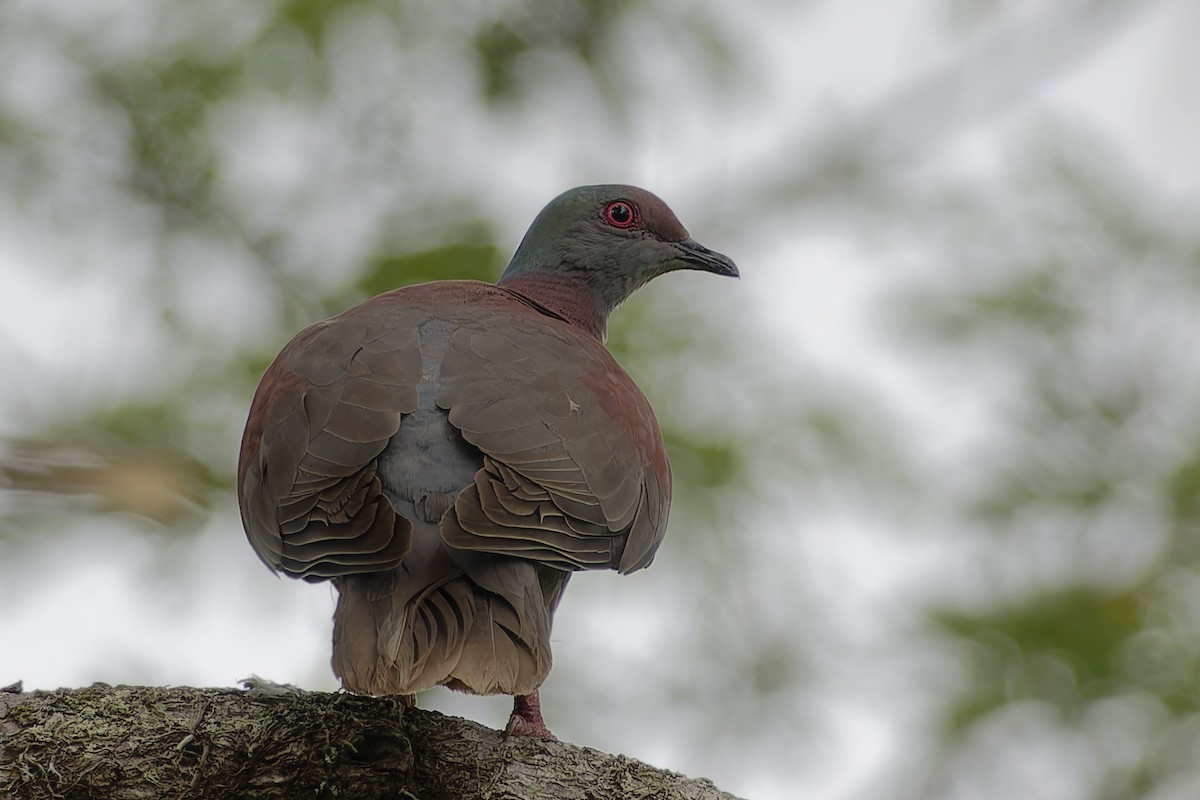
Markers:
(566, 296)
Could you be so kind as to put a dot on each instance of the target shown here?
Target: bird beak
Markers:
(696, 256)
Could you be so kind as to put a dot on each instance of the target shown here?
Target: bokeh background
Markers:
(937, 525)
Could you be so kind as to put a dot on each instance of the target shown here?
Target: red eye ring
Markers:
(622, 214)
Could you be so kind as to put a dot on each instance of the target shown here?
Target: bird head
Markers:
(613, 237)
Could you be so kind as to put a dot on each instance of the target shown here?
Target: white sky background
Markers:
(82, 612)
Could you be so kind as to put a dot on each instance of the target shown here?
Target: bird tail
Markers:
(392, 637)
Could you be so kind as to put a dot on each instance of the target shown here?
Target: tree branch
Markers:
(126, 742)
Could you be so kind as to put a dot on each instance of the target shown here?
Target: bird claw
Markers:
(519, 726)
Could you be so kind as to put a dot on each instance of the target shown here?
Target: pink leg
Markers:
(526, 719)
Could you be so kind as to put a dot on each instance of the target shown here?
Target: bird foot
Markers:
(526, 719)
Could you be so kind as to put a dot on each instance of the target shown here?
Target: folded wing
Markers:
(575, 474)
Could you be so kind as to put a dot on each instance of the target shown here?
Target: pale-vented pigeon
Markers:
(449, 453)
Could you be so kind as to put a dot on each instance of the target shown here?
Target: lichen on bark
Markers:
(131, 742)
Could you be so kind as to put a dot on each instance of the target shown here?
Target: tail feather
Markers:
(393, 635)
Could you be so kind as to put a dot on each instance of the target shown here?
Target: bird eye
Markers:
(621, 214)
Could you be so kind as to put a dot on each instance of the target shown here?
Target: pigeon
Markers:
(449, 454)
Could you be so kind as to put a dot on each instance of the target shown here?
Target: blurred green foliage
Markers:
(1062, 648)
(578, 27)
(165, 105)
(458, 261)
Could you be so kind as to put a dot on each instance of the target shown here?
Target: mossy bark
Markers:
(127, 742)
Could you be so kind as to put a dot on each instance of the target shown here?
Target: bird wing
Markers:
(324, 411)
(575, 473)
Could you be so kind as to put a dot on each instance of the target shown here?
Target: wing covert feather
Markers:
(575, 471)
(323, 413)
